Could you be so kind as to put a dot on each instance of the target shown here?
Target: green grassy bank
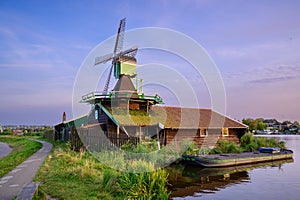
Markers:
(22, 149)
(66, 174)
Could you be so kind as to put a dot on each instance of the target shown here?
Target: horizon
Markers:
(254, 45)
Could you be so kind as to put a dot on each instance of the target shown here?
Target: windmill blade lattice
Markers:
(118, 55)
(108, 80)
(120, 36)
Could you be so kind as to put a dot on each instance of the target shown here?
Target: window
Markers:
(225, 132)
(96, 114)
(203, 132)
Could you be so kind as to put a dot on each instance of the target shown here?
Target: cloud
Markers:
(275, 79)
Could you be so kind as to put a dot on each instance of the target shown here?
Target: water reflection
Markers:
(194, 181)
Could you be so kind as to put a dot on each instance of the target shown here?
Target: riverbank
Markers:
(66, 174)
(271, 180)
(22, 148)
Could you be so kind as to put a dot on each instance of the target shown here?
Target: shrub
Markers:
(246, 139)
(216, 150)
(251, 143)
(34, 134)
(225, 146)
(145, 185)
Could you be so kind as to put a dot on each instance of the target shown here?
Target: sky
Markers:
(254, 44)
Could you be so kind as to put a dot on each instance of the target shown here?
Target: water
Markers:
(277, 180)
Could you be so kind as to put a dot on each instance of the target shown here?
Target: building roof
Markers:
(270, 121)
(170, 117)
(124, 84)
(177, 117)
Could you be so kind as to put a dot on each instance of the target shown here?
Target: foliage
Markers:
(40, 133)
(39, 195)
(193, 149)
(78, 175)
(138, 117)
(21, 150)
(296, 123)
(225, 146)
(255, 124)
(148, 151)
(7, 131)
(145, 185)
(261, 125)
(251, 143)
(247, 143)
(246, 139)
(143, 147)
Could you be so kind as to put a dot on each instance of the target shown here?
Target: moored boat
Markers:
(225, 160)
(269, 150)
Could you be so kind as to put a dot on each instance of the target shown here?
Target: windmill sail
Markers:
(118, 57)
(120, 36)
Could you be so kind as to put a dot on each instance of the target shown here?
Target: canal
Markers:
(275, 180)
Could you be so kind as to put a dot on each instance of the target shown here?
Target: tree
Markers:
(296, 123)
(261, 125)
(8, 131)
(250, 123)
(255, 124)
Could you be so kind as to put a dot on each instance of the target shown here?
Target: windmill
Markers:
(122, 62)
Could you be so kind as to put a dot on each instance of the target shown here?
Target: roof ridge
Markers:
(230, 118)
(185, 107)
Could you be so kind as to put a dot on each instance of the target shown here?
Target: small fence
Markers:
(97, 140)
(91, 138)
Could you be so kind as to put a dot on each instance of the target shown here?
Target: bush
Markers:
(145, 147)
(246, 139)
(251, 143)
(145, 185)
(34, 133)
(225, 146)
(248, 143)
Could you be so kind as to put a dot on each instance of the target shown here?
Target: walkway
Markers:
(12, 183)
(4, 149)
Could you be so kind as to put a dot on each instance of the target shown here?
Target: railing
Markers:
(119, 94)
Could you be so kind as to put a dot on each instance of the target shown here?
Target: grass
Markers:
(66, 174)
(72, 175)
(22, 149)
(248, 143)
(139, 117)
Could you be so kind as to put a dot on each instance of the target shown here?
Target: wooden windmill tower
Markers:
(123, 63)
(127, 92)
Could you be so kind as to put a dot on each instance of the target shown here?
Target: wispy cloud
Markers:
(275, 79)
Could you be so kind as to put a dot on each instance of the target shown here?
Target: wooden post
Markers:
(158, 140)
(118, 137)
(140, 133)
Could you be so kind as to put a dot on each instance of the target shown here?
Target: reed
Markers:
(78, 175)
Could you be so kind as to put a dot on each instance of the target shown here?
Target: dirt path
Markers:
(12, 183)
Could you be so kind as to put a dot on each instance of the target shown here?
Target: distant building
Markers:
(18, 132)
(1, 129)
(275, 126)
(285, 125)
(271, 124)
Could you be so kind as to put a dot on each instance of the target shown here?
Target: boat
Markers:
(234, 159)
(269, 150)
(196, 171)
